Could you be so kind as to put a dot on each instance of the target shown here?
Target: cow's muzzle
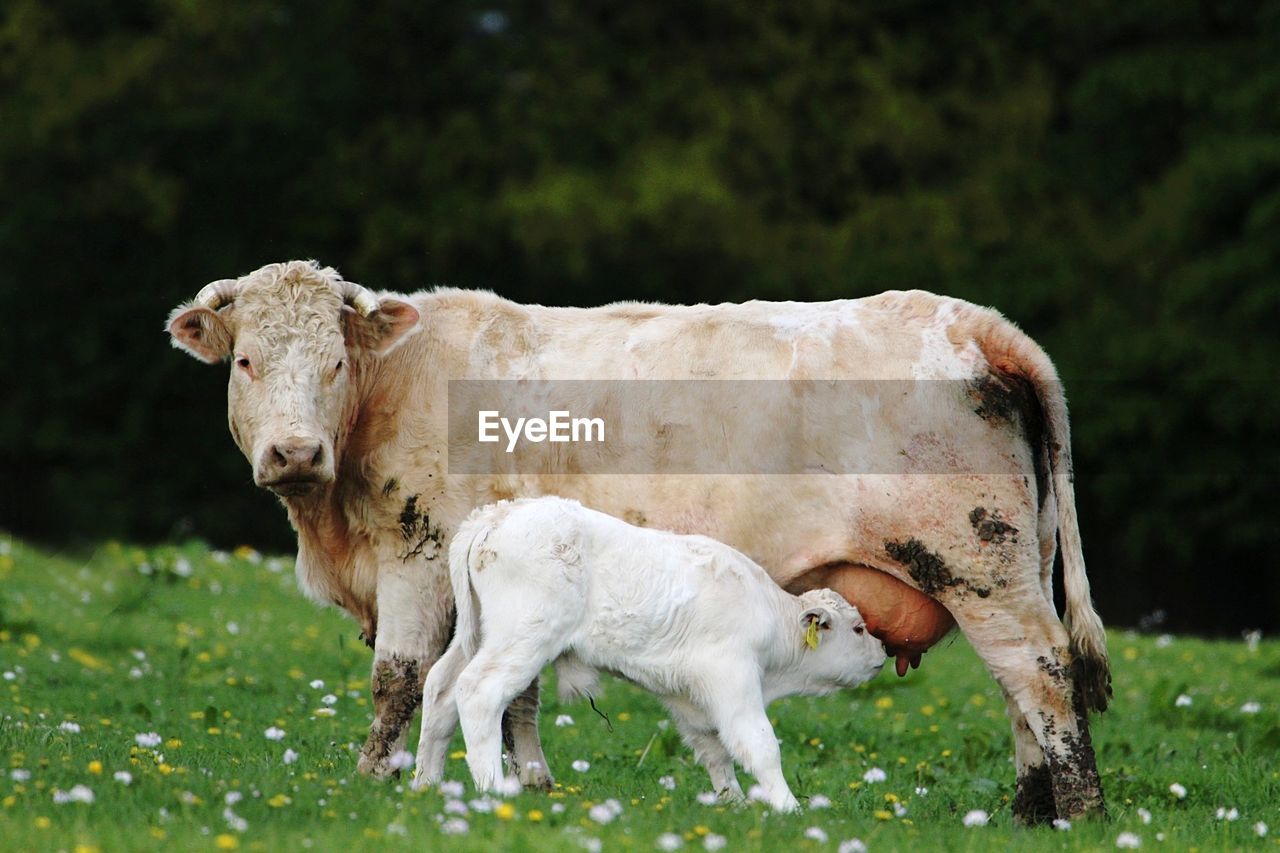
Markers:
(294, 466)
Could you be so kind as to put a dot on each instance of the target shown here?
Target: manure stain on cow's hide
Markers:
(928, 569)
(1033, 799)
(1005, 398)
(422, 538)
(397, 690)
(390, 486)
(636, 517)
(990, 527)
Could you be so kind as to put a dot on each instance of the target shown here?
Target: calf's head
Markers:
(298, 336)
(838, 649)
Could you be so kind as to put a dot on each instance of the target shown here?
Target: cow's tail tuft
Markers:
(462, 552)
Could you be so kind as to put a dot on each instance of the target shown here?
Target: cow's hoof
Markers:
(537, 780)
(376, 768)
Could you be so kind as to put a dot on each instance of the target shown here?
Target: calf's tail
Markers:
(463, 551)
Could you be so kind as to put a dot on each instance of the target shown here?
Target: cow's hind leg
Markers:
(1025, 647)
(1033, 800)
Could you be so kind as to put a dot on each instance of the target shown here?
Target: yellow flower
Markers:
(214, 730)
(458, 753)
(226, 842)
(623, 717)
(165, 769)
(701, 830)
(173, 743)
(86, 848)
(881, 814)
(9, 801)
(927, 710)
(505, 811)
(158, 833)
(95, 767)
(43, 822)
(279, 801)
(884, 703)
(946, 753)
(534, 815)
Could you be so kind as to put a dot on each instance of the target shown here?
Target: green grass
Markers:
(210, 650)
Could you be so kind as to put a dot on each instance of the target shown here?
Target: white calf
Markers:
(686, 617)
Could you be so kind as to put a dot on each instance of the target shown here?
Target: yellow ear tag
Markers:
(811, 635)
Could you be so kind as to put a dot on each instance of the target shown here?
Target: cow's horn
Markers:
(216, 294)
(359, 298)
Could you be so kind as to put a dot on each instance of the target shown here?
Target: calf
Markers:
(686, 617)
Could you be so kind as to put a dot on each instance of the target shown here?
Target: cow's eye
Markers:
(337, 368)
(858, 629)
(243, 363)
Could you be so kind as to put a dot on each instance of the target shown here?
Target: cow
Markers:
(338, 398)
(686, 617)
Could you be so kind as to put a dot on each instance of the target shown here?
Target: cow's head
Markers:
(298, 336)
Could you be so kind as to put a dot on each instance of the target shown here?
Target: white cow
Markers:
(686, 617)
(948, 469)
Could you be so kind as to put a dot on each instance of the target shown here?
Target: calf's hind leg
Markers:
(439, 717)
(494, 677)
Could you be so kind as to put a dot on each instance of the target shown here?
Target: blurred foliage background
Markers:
(1106, 174)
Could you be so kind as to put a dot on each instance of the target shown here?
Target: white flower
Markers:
(317, 684)
(817, 801)
(1164, 641)
(601, 814)
(78, 794)
(326, 712)
(455, 807)
(1178, 791)
(400, 760)
(1128, 840)
(124, 777)
(454, 826)
(708, 798)
(10, 676)
(581, 766)
(875, 774)
(670, 841)
(1062, 824)
(397, 829)
(899, 810)
(233, 797)
(977, 817)
(451, 788)
(234, 820)
(564, 720)
(182, 567)
(232, 627)
(147, 740)
(20, 774)
(274, 733)
(714, 842)
(329, 699)
(135, 673)
(852, 845)
(509, 786)
(1145, 816)
(289, 756)
(1251, 640)
(70, 727)
(1225, 814)
(922, 791)
(1183, 701)
(816, 833)
(484, 805)
(668, 782)
(592, 845)
(1250, 708)
(557, 808)
(1260, 829)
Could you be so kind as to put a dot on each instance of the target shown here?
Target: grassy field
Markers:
(177, 698)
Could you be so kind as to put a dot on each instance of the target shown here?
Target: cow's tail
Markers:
(463, 552)
(1012, 353)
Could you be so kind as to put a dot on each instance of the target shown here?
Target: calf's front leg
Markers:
(415, 615)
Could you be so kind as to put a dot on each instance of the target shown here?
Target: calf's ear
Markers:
(384, 329)
(813, 620)
(200, 332)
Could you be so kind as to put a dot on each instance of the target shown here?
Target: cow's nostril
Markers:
(318, 457)
(278, 458)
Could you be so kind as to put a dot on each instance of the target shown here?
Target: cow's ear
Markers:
(384, 329)
(201, 332)
(812, 621)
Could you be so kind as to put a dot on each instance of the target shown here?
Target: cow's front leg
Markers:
(523, 743)
(415, 611)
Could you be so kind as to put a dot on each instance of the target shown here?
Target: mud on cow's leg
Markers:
(1033, 799)
(415, 615)
(520, 738)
